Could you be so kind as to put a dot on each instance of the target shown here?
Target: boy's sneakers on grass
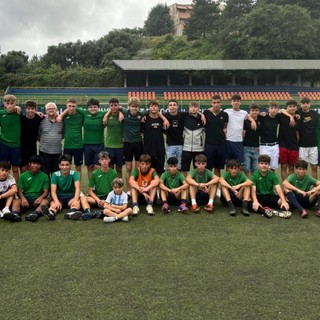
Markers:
(109, 219)
(73, 215)
(232, 211)
(48, 213)
(125, 219)
(98, 214)
(282, 214)
(245, 212)
(209, 208)
(166, 208)
(268, 213)
(135, 210)
(13, 217)
(183, 208)
(32, 217)
(303, 214)
(195, 208)
(88, 216)
(149, 209)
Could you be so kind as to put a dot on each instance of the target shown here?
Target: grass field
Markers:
(176, 266)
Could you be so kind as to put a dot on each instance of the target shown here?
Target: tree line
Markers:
(234, 29)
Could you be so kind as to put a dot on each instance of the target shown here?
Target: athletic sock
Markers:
(293, 200)
(230, 204)
(245, 204)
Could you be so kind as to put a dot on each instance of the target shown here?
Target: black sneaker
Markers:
(47, 213)
(245, 211)
(7, 216)
(73, 215)
(88, 216)
(15, 217)
(99, 214)
(32, 217)
(232, 212)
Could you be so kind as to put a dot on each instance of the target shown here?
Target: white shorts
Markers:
(273, 153)
(309, 154)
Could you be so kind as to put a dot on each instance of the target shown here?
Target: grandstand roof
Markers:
(154, 65)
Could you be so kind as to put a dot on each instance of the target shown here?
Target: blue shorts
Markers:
(91, 152)
(116, 156)
(235, 151)
(10, 154)
(77, 155)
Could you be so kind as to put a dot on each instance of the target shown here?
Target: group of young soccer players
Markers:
(249, 145)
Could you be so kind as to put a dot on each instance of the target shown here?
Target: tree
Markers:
(203, 19)
(312, 6)
(159, 21)
(268, 32)
(15, 61)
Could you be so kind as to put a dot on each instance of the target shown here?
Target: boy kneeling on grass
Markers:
(202, 185)
(235, 188)
(116, 206)
(8, 188)
(302, 190)
(173, 187)
(265, 184)
(65, 191)
(144, 182)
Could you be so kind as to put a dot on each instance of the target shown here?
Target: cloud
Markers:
(31, 26)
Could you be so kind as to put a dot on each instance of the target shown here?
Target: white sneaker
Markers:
(1, 214)
(149, 209)
(125, 219)
(282, 214)
(218, 193)
(109, 219)
(5, 210)
(135, 210)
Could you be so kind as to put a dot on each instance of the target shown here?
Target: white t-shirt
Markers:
(235, 124)
(5, 185)
(117, 200)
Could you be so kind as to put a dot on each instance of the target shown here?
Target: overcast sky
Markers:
(33, 25)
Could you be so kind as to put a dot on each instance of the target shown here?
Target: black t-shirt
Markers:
(251, 138)
(287, 136)
(268, 129)
(175, 131)
(308, 128)
(153, 137)
(29, 131)
(214, 127)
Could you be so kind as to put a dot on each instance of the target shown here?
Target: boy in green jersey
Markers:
(73, 141)
(235, 188)
(33, 190)
(265, 184)
(173, 187)
(100, 184)
(114, 136)
(93, 133)
(10, 134)
(302, 190)
(202, 185)
(65, 191)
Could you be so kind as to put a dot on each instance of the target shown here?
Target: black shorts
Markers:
(76, 154)
(216, 155)
(270, 201)
(158, 164)
(186, 158)
(132, 149)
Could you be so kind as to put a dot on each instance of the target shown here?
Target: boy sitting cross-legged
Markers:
(33, 190)
(8, 188)
(173, 187)
(65, 191)
(144, 182)
(203, 185)
(116, 206)
(302, 190)
(235, 188)
(100, 184)
(265, 184)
